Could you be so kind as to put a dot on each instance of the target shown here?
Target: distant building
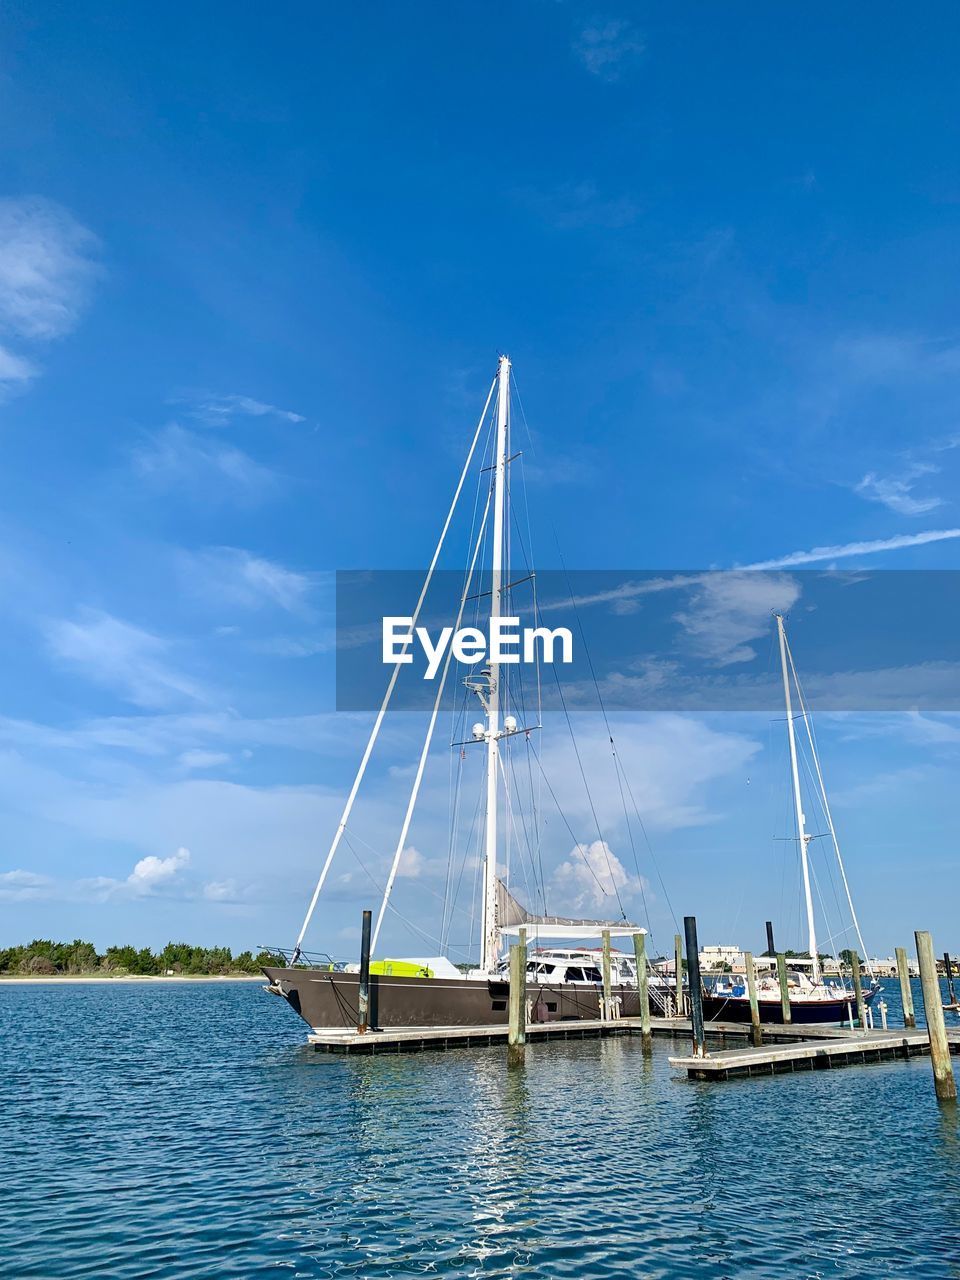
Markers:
(718, 958)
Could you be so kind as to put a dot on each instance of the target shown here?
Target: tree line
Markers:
(43, 957)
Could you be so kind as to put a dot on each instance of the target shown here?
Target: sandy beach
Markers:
(133, 977)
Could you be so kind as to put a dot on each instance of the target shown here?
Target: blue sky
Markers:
(255, 270)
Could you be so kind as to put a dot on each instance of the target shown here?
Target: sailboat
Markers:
(814, 998)
(430, 991)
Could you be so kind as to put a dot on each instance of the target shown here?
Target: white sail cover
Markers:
(512, 917)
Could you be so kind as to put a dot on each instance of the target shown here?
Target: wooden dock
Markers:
(785, 1048)
(418, 1039)
(839, 1048)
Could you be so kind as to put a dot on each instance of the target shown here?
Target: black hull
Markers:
(802, 1013)
(329, 1001)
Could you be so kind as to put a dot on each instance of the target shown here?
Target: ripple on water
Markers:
(185, 1131)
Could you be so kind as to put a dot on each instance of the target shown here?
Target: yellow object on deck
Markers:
(400, 969)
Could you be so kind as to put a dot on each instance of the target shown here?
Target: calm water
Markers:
(185, 1131)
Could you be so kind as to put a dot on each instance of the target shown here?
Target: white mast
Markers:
(490, 942)
(802, 836)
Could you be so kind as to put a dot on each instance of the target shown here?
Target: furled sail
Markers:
(512, 917)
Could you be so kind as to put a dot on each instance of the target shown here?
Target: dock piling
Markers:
(771, 949)
(678, 971)
(643, 988)
(858, 990)
(693, 986)
(943, 1080)
(948, 970)
(517, 1012)
(784, 987)
(906, 991)
(363, 993)
(607, 1010)
(756, 1035)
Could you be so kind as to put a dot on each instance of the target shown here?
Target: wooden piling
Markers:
(517, 1011)
(693, 985)
(643, 989)
(605, 1012)
(678, 971)
(906, 991)
(784, 987)
(943, 1081)
(756, 1035)
(858, 990)
(363, 992)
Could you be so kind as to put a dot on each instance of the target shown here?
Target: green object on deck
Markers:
(400, 969)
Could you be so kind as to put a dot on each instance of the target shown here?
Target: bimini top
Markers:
(512, 917)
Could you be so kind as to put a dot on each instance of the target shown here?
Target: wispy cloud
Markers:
(729, 610)
(198, 759)
(122, 657)
(896, 492)
(23, 886)
(232, 576)
(14, 368)
(217, 410)
(607, 46)
(180, 460)
(47, 266)
(818, 555)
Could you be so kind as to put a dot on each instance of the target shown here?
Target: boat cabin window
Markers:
(587, 974)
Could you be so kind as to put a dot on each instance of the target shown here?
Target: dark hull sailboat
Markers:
(822, 1013)
(329, 1000)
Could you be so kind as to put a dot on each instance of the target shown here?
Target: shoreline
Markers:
(53, 979)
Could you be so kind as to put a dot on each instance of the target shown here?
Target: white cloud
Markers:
(728, 610)
(46, 268)
(236, 577)
(23, 886)
(820, 554)
(217, 410)
(591, 879)
(670, 759)
(896, 492)
(412, 863)
(123, 657)
(152, 871)
(176, 459)
(148, 875)
(198, 759)
(14, 368)
(222, 891)
(607, 46)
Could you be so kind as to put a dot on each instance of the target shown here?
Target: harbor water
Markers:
(186, 1130)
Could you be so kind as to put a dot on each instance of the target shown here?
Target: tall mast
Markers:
(802, 836)
(490, 943)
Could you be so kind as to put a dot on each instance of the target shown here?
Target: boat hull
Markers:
(802, 1013)
(329, 1000)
